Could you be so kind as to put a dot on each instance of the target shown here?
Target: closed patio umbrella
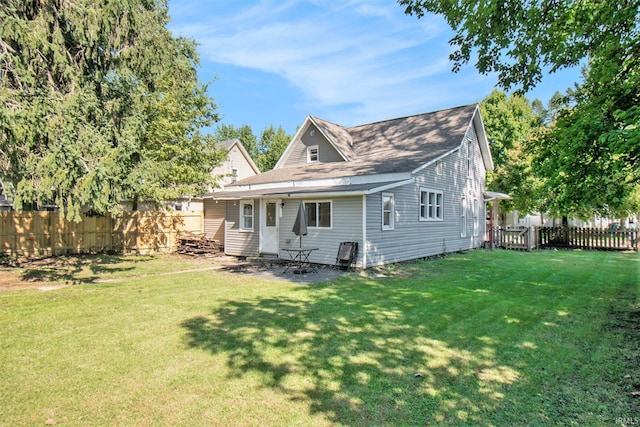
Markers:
(300, 224)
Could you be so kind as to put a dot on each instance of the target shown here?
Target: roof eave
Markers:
(482, 139)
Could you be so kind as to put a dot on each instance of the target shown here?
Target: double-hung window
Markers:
(312, 154)
(463, 217)
(388, 211)
(246, 215)
(431, 205)
(318, 214)
(476, 218)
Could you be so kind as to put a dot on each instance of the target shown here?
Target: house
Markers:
(403, 189)
(239, 165)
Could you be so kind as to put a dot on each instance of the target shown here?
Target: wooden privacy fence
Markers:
(48, 233)
(587, 238)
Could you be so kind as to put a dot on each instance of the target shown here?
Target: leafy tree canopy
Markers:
(99, 103)
(264, 152)
(590, 157)
(272, 144)
(510, 123)
(520, 40)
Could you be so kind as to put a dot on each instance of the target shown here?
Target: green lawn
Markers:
(484, 338)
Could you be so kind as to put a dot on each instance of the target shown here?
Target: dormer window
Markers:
(312, 154)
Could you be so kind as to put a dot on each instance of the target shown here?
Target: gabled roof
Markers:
(337, 135)
(393, 146)
(228, 145)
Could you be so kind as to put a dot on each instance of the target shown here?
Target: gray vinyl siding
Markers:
(214, 213)
(297, 154)
(412, 238)
(239, 242)
(346, 224)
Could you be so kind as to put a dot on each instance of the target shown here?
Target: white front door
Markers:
(269, 227)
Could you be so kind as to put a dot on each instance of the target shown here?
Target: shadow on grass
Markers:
(361, 352)
(80, 269)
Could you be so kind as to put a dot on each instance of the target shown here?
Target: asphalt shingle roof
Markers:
(398, 145)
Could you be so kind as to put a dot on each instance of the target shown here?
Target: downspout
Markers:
(364, 231)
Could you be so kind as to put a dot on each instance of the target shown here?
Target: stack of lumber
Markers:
(193, 244)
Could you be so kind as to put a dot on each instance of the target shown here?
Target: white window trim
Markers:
(309, 149)
(439, 167)
(253, 216)
(430, 190)
(469, 158)
(463, 216)
(315, 227)
(476, 217)
(392, 219)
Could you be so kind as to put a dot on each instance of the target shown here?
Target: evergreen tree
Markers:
(99, 103)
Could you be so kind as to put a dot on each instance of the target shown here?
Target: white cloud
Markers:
(359, 53)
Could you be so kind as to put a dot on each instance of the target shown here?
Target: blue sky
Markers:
(351, 62)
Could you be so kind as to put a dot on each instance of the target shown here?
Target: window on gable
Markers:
(318, 214)
(439, 167)
(388, 211)
(431, 207)
(246, 216)
(312, 154)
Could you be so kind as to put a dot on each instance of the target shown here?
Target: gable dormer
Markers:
(316, 141)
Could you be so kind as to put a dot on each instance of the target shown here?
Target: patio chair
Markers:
(347, 253)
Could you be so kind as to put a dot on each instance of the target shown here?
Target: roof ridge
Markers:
(411, 115)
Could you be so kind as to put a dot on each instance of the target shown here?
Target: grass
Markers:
(484, 338)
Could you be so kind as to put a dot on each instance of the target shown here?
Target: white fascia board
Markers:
(329, 139)
(429, 163)
(482, 139)
(327, 182)
(297, 136)
(391, 186)
(382, 177)
(323, 194)
(346, 193)
(330, 182)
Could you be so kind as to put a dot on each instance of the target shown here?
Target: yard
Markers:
(483, 338)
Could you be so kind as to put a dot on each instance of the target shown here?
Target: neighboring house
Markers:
(403, 189)
(239, 165)
(515, 219)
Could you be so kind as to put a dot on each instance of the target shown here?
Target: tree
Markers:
(99, 103)
(510, 123)
(520, 40)
(265, 152)
(271, 146)
(244, 134)
(590, 158)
